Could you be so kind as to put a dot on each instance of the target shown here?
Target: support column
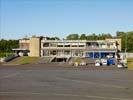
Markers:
(99, 54)
(93, 55)
(42, 53)
(49, 52)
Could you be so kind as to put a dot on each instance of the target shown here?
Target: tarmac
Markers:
(63, 82)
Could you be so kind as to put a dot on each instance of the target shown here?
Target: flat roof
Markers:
(19, 49)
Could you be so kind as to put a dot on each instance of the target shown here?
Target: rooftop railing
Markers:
(83, 48)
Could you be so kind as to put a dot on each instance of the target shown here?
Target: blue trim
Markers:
(98, 54)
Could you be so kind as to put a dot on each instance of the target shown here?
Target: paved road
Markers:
(38, 82)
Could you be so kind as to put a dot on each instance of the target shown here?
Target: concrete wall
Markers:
(34, 47)
(24, 44)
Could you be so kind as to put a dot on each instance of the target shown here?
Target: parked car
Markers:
(104, 61)
(83, 63)
(120, 65)
(97, 63)
(111, 61)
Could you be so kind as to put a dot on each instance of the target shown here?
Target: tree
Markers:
(127, 40)
(83, 37)
(104, 36)
(130, 41)
(119, 34)
(94, 36)
(8, 45)
(73, 37)
(53, 38)
(122, 35)
(91, 37)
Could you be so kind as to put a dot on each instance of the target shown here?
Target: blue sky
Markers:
(19, 18)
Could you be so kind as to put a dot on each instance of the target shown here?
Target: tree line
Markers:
(88, 37)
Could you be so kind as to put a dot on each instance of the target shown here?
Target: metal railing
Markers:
(82, 48)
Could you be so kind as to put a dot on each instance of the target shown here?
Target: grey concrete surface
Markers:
(52, 82)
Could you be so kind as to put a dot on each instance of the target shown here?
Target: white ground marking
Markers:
(9, 75)
(13, 74)
(93, 83)
(60, 94)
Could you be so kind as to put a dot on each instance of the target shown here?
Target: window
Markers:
(53, 44)
(74, 45)
(81, 45)
(67, 45)
(46, 45)
(59, 45)
(53, 52)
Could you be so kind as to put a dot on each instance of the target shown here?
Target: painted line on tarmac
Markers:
(8, 76)
(93, 83)
(13, 74)
(29, 70)
(60, 94)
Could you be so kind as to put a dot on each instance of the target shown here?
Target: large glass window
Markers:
(96, 55)
(53, 44)
(89, 54)
(53, 52)
(81, 45)
(45, 53)
(45, 44)
(75, 52)
(67, 52)
(59, 45)
(67, 45)
(74, 45)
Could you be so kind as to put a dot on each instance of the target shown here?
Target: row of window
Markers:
(54, 45)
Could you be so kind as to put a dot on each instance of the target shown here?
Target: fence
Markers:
(129, 55)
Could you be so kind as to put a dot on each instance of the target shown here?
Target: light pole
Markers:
(126, 48)
(125, 43)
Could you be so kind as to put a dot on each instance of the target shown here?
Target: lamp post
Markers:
(126, 44)
(126, 49)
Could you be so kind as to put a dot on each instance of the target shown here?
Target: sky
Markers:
(21, 18)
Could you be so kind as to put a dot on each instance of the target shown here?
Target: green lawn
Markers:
(26, 60)
(130, 63)
(78, 60)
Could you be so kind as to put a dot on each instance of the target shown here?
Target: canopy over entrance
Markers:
(21, 51)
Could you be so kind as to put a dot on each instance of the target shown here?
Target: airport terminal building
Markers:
(42, 47)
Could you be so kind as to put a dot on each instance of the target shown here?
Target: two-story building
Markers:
(42, 47)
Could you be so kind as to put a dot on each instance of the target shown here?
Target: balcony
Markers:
(65, 48)
(88, 48)
(96, 48)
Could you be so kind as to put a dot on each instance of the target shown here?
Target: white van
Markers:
(97, 63)
(104, 61)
